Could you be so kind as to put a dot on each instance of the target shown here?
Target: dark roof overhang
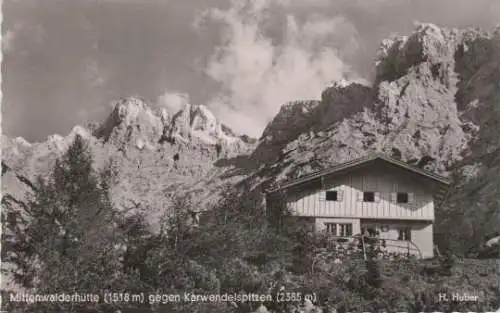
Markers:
(442, 181)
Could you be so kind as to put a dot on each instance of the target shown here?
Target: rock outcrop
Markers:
(132, 123)
(196, 124)
(338, 102)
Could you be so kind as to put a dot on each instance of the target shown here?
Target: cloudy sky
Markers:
(66, 60)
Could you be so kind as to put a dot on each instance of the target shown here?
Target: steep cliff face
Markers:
(472, 211)
(338, 102)
(417, 84)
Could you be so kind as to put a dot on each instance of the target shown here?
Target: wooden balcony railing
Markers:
(386, 244)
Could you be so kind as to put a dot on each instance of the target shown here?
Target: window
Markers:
(339, 229)
(368, 196)
(402, 197)
(404, 234)
(331, 228)
(332, 195)
(345, 230)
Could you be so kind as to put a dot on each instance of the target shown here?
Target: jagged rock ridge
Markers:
(151, 171)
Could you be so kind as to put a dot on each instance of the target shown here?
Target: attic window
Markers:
(402, 197)
(368, 196)
(331, 195)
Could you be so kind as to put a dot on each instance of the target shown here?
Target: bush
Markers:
(373, 277)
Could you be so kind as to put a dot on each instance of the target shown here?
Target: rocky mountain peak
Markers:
(132, 121)
(20, 141)
(340, 100)
(61, 143)
(129, 109)
(339, 84)
(204, 120)
(428, 44)
(196, 124)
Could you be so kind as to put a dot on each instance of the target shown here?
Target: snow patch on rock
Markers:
(140, 144)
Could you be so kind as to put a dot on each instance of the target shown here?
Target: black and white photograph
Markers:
(250, 156)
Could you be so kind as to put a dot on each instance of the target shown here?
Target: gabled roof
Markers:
(358, 162)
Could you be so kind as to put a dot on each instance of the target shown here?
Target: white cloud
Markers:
(258, 75)
(173, 101)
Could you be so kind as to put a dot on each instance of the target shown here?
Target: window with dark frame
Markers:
(404, 234)
(339, 229)
(345, 230)
(402, 197)
(331, 195)
(331, 228)
(368, 196)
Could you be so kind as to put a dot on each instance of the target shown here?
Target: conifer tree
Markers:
(72, 240)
